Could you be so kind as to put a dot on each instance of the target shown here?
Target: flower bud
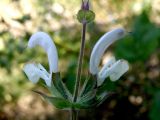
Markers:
(85, 15)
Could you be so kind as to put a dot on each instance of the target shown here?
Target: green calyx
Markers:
(85, 16)
(90, 96)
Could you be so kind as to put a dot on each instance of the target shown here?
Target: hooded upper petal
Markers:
(43, 39)
(103, 43)
(36, 71)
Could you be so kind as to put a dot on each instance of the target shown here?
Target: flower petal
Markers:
(36, 71)
(103, 43)
(43, 39)
(103, 72)
(111, 61)
(118, 69)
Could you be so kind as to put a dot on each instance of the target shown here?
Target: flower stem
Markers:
(74, 113)
(80, 62)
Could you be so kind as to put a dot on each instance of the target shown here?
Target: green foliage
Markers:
(143, 40)
(60, 103)
(89, 85)
(90, 95)
(70, 77)
(60, 86)
(155, 108)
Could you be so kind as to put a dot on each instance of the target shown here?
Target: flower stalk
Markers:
(74, 113)
(80, 63)
(84, 16)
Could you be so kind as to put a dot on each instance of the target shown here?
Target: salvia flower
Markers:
(36, 71)
(113, 69)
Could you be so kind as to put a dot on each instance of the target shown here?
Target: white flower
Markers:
(112, 68)
(36, 71)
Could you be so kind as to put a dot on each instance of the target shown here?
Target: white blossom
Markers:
(36, 71)
(112, 69)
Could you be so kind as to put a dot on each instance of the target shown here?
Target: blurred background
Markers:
(137, 93)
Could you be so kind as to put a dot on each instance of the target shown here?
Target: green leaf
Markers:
(107, 85)
(57, 102)
(54, 91)
(85, 105)
(155, 107)
(87, 97)
(85, 15)
(103, 91)
(81, 106)
(102, 97)
(60, 86)
(89, 85)
(61, 103)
